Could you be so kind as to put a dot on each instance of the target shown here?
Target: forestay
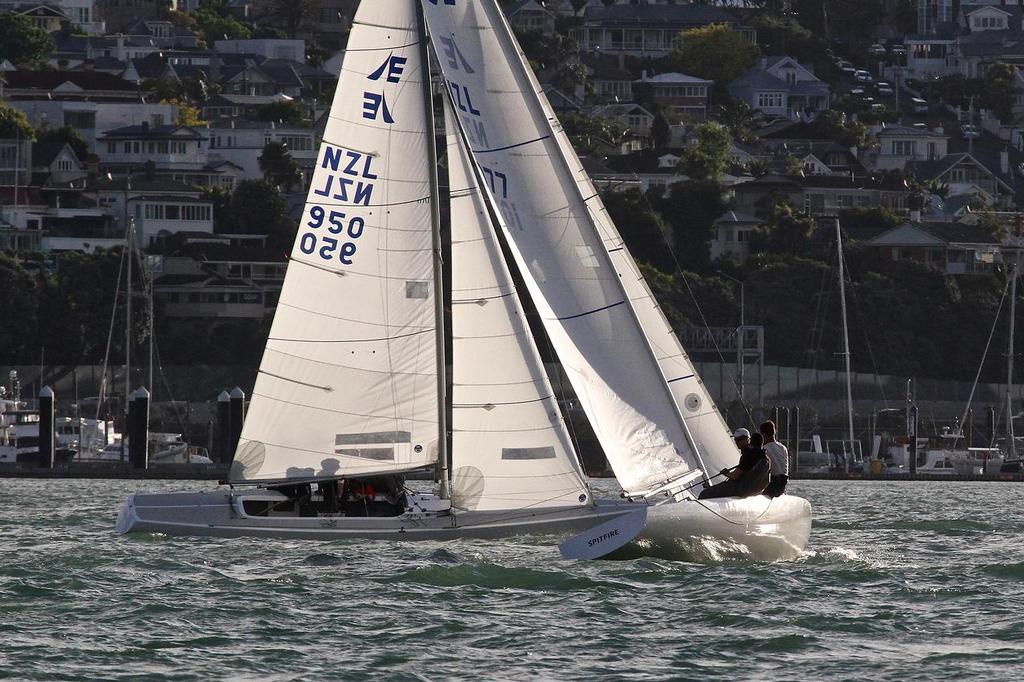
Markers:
(588, 313)
(510, 447)
(349, 378)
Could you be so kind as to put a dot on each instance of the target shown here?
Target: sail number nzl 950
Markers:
(329, 232)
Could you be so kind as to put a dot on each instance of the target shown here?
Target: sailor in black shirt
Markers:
(750, 476)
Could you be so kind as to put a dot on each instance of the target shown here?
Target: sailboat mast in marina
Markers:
(351, 389)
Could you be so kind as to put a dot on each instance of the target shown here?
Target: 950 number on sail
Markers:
(332, 243)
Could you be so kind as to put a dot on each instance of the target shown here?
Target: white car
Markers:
(846, 67)
(862, 76)
(876, 50)
(884, 88)
(918, 105)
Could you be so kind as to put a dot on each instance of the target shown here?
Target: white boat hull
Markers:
(754, 528)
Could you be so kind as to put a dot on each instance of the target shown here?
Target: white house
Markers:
(241, 142)
(781, 86)
(899, 144)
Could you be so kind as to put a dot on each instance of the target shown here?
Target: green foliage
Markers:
(861, 220)
(784, 36)
(847, 133)
(641, 227)
(14, 124)
(661, 135)
(278, 166)
(256, 207)
(66, 134)
(786, 233)
(691, 209)
(587, 133)
(294, 14)
(709, 157)
(739, 118)
(212, 24)
(282, 112)
(713, 52)
(21, 42)
(1000, 90)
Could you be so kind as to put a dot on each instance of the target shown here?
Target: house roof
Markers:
(45, 153)
(735, 218)
(947, 233)
(51, 80)
(662, 15)
(674, 79)
(906, 131)
(758, 79)
(152, 132)
(933, 170)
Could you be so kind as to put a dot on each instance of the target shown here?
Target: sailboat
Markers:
(352, 390)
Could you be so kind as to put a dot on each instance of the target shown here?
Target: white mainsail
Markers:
(349, 378)
(510, 447)
(574, 281)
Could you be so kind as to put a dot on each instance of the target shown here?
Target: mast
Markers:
(130, 246)
(435, 217)
(846, 341)
(1009, 355)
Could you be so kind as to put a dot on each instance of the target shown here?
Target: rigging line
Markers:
(511, 146)
(688, 376)
(110, 333)
(529, 514)
(984, 355)
(295, 381)
(864, 333)
(737, 523)
(384, 338)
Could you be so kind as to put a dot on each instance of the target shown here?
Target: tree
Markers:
(188, 115)
(709, 157)
(691, 209)
(14, 124)
(661, 135)
(1000, 90)
(787, 232)
(278, 166)
(294, 14)
(282, 112)
(68, 135)
(641, 227)
(22, 41)
(257, 207)
(714, 52)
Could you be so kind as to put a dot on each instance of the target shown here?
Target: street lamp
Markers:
(740, 360)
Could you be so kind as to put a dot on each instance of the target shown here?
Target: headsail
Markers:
(510, 447)
(349, 378)
(588, 312)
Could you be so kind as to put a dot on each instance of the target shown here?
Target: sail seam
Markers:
(388, 205)
(383, 338)
(386, 417)
(337, 317)
(378, 49)
(349, 367)
(470, 301)
(688, 376)
(295, 381)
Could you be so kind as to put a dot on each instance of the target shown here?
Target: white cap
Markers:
(741, 433)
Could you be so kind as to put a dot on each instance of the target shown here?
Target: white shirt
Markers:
(779, 456)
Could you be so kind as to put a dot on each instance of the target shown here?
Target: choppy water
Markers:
(902, 581)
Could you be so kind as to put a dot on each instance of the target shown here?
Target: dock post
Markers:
(223, 427)
(138, 420)
(237, 404)
(47, 436)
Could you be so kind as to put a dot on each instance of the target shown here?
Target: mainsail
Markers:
(349, 378)
(510, 447)
(600, 324)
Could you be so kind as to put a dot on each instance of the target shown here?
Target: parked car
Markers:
(898, 50)
(857, 92)
(862, 76)
(918, 105)
(884, 88)
(877, 106)
(846, 67)
(877, 50)
(969, 131)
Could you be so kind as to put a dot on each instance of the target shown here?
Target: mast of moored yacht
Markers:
(1009, 356)
(846, 342)
(435, 217)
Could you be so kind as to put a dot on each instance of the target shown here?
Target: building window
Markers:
(154, 212)
(769, 100)
(904, 147)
